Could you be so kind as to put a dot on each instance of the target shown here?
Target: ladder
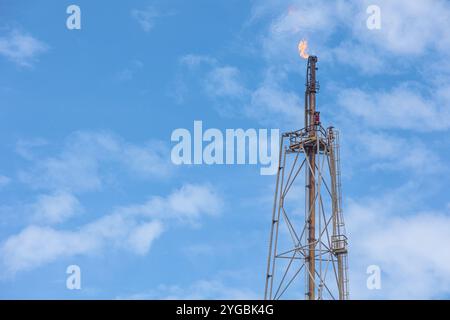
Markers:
(340, 239)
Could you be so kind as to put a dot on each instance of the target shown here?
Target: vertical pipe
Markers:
(311, 154)
(334, 196)
(334, 203)
(311, 226)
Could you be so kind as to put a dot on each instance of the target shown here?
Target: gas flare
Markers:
(302, 46)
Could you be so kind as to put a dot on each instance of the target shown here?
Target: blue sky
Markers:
(87, 115)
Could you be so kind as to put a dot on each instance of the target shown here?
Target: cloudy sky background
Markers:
(86, 118)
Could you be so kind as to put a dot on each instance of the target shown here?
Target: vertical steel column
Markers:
(310, 108)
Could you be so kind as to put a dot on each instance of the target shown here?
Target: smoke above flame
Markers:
(302, 46)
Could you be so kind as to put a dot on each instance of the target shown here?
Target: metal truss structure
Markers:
(308, 240)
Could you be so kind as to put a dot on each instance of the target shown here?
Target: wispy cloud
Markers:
(399, 108)
(389, 231)
(408, 30)
(132, 228)
(225, 82)
(187, 204)
(146, 18)
(224, 285)
(25, 147)
(267, 103)
(271, 104)
(130, 71)
(200, 290)
(77, 168)
(195, 60)
(55, 208)
(21, 48)
(384, 152)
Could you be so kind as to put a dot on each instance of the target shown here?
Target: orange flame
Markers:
(302, 46)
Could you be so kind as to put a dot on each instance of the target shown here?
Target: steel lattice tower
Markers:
(308, 242)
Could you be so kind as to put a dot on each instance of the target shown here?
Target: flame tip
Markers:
(302, 46)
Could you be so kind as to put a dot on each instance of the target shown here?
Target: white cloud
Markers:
(25, 147)
(195, 60)
(133, 228)
(34, 246)
(386, 152)
(192, 200)
(143, 236)
(400, 108)
(145, 17)
(67, 172)
(147, 160)
(272, 104)
(207, 289)
(408, 28)
(222, 83)
(314, 21)
(362, 57)
(268, 102)
(77, 168)
(56, 207)
(199, 290)
(21, 48)
(129, 72)
(187, 204)
(387, 231)
(225, 82)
